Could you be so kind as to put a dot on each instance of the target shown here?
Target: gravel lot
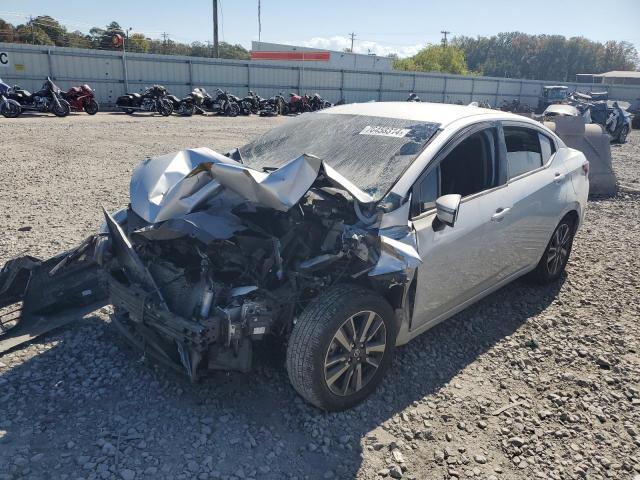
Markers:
(530, 383)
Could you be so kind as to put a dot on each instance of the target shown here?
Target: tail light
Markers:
(585, 167)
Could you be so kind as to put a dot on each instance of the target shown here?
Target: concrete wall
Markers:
(29, 65)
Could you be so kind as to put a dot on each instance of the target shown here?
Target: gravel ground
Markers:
(530, 383)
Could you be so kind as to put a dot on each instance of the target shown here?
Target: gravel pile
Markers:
(532, 382)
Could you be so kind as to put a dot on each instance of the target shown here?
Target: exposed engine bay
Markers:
(212, 256)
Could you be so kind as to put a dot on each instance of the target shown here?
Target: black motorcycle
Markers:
(153, 99)
(192, 103)
(253, 102)
(47, 99)
(316, 102)
(225, 104)
(274, 106)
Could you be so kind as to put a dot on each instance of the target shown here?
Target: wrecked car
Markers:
(340, 234)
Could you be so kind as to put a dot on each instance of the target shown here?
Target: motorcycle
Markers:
(82, 98)
(192, 103)
(318, 103)
(153, 99)
(298, 104)
(515, 107)
(413, 97)
(8, 108)
(273, 106)
(253, 102)
(47, 99)
(618, 124)
(225, 104)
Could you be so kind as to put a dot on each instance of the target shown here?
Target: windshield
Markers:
(369, 151)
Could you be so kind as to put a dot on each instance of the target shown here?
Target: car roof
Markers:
(442, 113)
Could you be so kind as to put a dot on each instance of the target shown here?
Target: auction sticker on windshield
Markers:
(385, 131)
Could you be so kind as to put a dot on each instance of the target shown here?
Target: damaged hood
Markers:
(176, 184)
(193, 192)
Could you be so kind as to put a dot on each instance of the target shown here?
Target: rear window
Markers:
(371, 152)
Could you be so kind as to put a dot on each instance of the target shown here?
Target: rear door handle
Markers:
(559, 177)
(500, 214)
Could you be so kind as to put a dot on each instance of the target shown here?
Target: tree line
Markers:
(45, 30)
(520, 55)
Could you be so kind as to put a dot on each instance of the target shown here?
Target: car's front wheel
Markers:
(555, 257)
(341, 346)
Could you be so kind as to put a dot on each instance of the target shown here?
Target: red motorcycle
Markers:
(82, 98)
(298, 104)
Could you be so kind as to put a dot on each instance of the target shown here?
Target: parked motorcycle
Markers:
(244, 107)
(192, 103)
(153, 99)
(316, 102)
(253, 101)
(225, 104)
(515, 106)
(81, 98)
(298, 104)
(273, 106)
(8, 108)
(618, 124)
(47, 99)
(413, 97)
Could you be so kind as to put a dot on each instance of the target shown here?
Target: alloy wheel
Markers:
(558, 249)
(355, 353)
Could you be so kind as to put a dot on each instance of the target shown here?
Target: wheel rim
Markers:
(623, 134)
(558, 249)
(355, 353)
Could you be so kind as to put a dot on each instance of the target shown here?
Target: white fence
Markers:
(29, 65)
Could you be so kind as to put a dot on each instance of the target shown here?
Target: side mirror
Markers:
(447, 207)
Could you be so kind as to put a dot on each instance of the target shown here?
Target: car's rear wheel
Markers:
(622, 138)
(341, 347)
(556, 255)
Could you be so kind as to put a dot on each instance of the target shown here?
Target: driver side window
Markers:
(469, 168)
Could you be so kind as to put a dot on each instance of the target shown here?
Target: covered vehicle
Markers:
(341, 233)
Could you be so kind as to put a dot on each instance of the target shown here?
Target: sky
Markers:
(380, 26)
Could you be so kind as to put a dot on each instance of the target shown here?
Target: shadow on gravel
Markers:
(92, 390)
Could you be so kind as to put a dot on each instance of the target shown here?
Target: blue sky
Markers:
(381, 26)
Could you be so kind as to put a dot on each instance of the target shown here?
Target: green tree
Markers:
(7, 32)
(137, 42)
(435, 58)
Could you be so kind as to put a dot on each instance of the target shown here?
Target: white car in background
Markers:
(342, 234)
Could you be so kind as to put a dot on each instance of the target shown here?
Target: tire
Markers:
(91, 107)
(551, 266)
(624, 132)
(232, 110)
(11, 110)
(186, 110)
(63, 110)
(128, 111)
(165, 108)
(314, 345)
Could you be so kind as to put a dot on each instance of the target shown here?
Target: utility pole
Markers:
(216, 48)
(444, 37)
(352, 35)
(259, 22)
(33, 38)
(164, 36)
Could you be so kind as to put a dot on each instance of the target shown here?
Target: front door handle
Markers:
(558, 177)
(500, 214)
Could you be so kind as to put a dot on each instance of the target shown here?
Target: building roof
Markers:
(618, 74)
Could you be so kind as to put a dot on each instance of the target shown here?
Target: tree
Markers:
(137, 42)
(435, 58)
(7, 32)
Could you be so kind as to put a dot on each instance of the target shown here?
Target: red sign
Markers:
(297, 56)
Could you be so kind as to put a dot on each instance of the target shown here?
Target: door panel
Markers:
(461, 261)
